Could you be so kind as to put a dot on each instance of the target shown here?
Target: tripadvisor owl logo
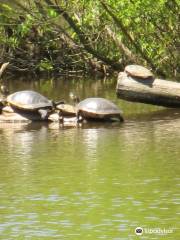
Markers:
(138, 231)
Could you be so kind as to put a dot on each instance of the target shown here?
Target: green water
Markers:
(96, 181)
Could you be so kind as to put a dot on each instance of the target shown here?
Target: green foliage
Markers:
(148, 29)
(45, 65)
(152, 25)
(24, 28)
(51, 13)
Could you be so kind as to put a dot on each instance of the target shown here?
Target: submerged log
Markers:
(151, 91)
(9, 115)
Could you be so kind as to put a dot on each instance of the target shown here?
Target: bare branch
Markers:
(3, 67)
(82, 37)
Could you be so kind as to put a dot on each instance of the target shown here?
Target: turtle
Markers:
(98, 109)
(66, 110)
(138, 71)
(30, 101)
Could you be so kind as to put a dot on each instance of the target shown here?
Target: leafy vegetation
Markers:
(80, 36)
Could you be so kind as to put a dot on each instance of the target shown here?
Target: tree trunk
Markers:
(151, 91)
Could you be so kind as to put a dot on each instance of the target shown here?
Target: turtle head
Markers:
(74, 98)
(55, 103)
(4, 90)
(79, 116)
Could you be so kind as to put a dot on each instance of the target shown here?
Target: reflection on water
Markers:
(96, 181)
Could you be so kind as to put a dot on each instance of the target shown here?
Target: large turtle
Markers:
(98, 108)
(138, 71)
(31, 101)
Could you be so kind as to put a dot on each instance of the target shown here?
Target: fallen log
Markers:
(151, 91)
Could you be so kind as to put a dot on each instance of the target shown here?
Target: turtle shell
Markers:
(29, 100)
(138, 71)
(98, 108)
(66, 109)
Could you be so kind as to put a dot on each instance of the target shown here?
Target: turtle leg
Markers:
(61, 117)
(57, 103)
(79, 116)
(44, 114)
(121, 119)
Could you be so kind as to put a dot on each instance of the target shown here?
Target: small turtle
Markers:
(66, 110)
(98, 108)
(31, 101)
(138, 71)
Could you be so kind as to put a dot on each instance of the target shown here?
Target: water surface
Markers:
(95, 181)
